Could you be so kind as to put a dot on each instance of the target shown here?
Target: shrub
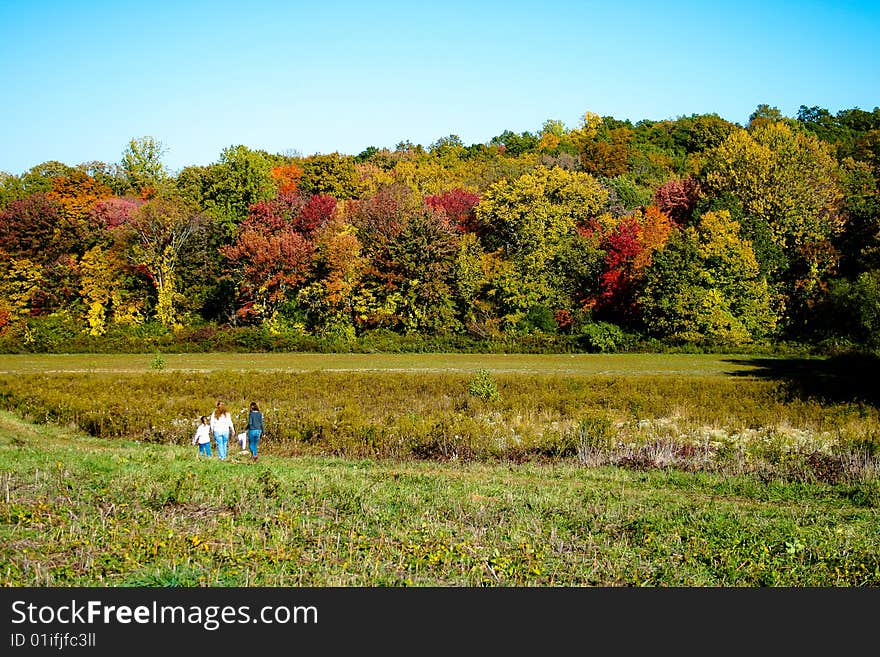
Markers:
(158, 362)
(594, 432)
(538, 318)
(483, 386)
(601, 337)
(45, 334)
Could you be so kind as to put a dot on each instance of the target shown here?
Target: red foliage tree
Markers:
(677, 199)
(35, 227)
(315, 213)
(113, 212)
(290, 211)
(622, 246)
(564, 320)
(628, 248)
(272, 264)
(458, 204)
(277, 214)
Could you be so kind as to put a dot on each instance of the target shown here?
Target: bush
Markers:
(853, 309)
(483, 386)
(45, 334)
(601, 337)
(158, 362)
(538, 318)
(595, 431)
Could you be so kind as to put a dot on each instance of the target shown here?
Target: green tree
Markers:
(528, 219)
(229, 187)
(859, 243)
(142, 164)
(852, 309)
(333, 174)
(424, 256)
(705, 286)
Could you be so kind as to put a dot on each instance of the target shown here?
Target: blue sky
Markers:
(80, 79)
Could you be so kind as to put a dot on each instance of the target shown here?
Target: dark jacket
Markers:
(255, 420)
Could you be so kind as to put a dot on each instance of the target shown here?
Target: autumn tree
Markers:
(678, 199)
(36, 227)
(107, 290)
(786, 184)
(286, 177)
(379, 220)
(459, 208)
(783, 178)
(272, 253)
(36, 234)
(605, 158)
(628, 244)
(424, 255)
(159, 230)
(604, 145)
(111, 287)
(77, 194)
(317, 210)
(329, 300)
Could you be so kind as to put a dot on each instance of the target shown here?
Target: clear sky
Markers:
(80, 79)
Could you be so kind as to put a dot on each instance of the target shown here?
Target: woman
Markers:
(254, 429)
(221, 427)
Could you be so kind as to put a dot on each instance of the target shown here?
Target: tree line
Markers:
(694, 230)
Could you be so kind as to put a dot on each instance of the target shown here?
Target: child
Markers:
(203, 436)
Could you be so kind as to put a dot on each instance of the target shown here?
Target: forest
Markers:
(612, 235)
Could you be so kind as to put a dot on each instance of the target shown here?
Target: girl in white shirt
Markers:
(203, 436)
(221, 427)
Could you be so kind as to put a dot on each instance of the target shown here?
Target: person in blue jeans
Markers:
(254, 429)
(203, 437)
(221, 427)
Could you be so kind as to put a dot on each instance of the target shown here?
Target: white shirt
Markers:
(203, 434)
(222, 424)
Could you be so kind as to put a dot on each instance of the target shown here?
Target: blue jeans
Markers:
(205, 448)
(253, 439)
(222, 440)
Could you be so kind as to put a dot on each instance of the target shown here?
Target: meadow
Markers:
(442, 469)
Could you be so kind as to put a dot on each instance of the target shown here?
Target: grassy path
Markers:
(629, 364)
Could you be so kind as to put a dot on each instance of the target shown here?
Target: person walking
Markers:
(222, 428)
(254, 429)
(202, 438)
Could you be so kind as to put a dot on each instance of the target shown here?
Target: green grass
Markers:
(81, 511)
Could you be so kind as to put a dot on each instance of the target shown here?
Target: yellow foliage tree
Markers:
(786, 179)
(20, 279)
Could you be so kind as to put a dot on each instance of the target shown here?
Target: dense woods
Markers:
(688, 231)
